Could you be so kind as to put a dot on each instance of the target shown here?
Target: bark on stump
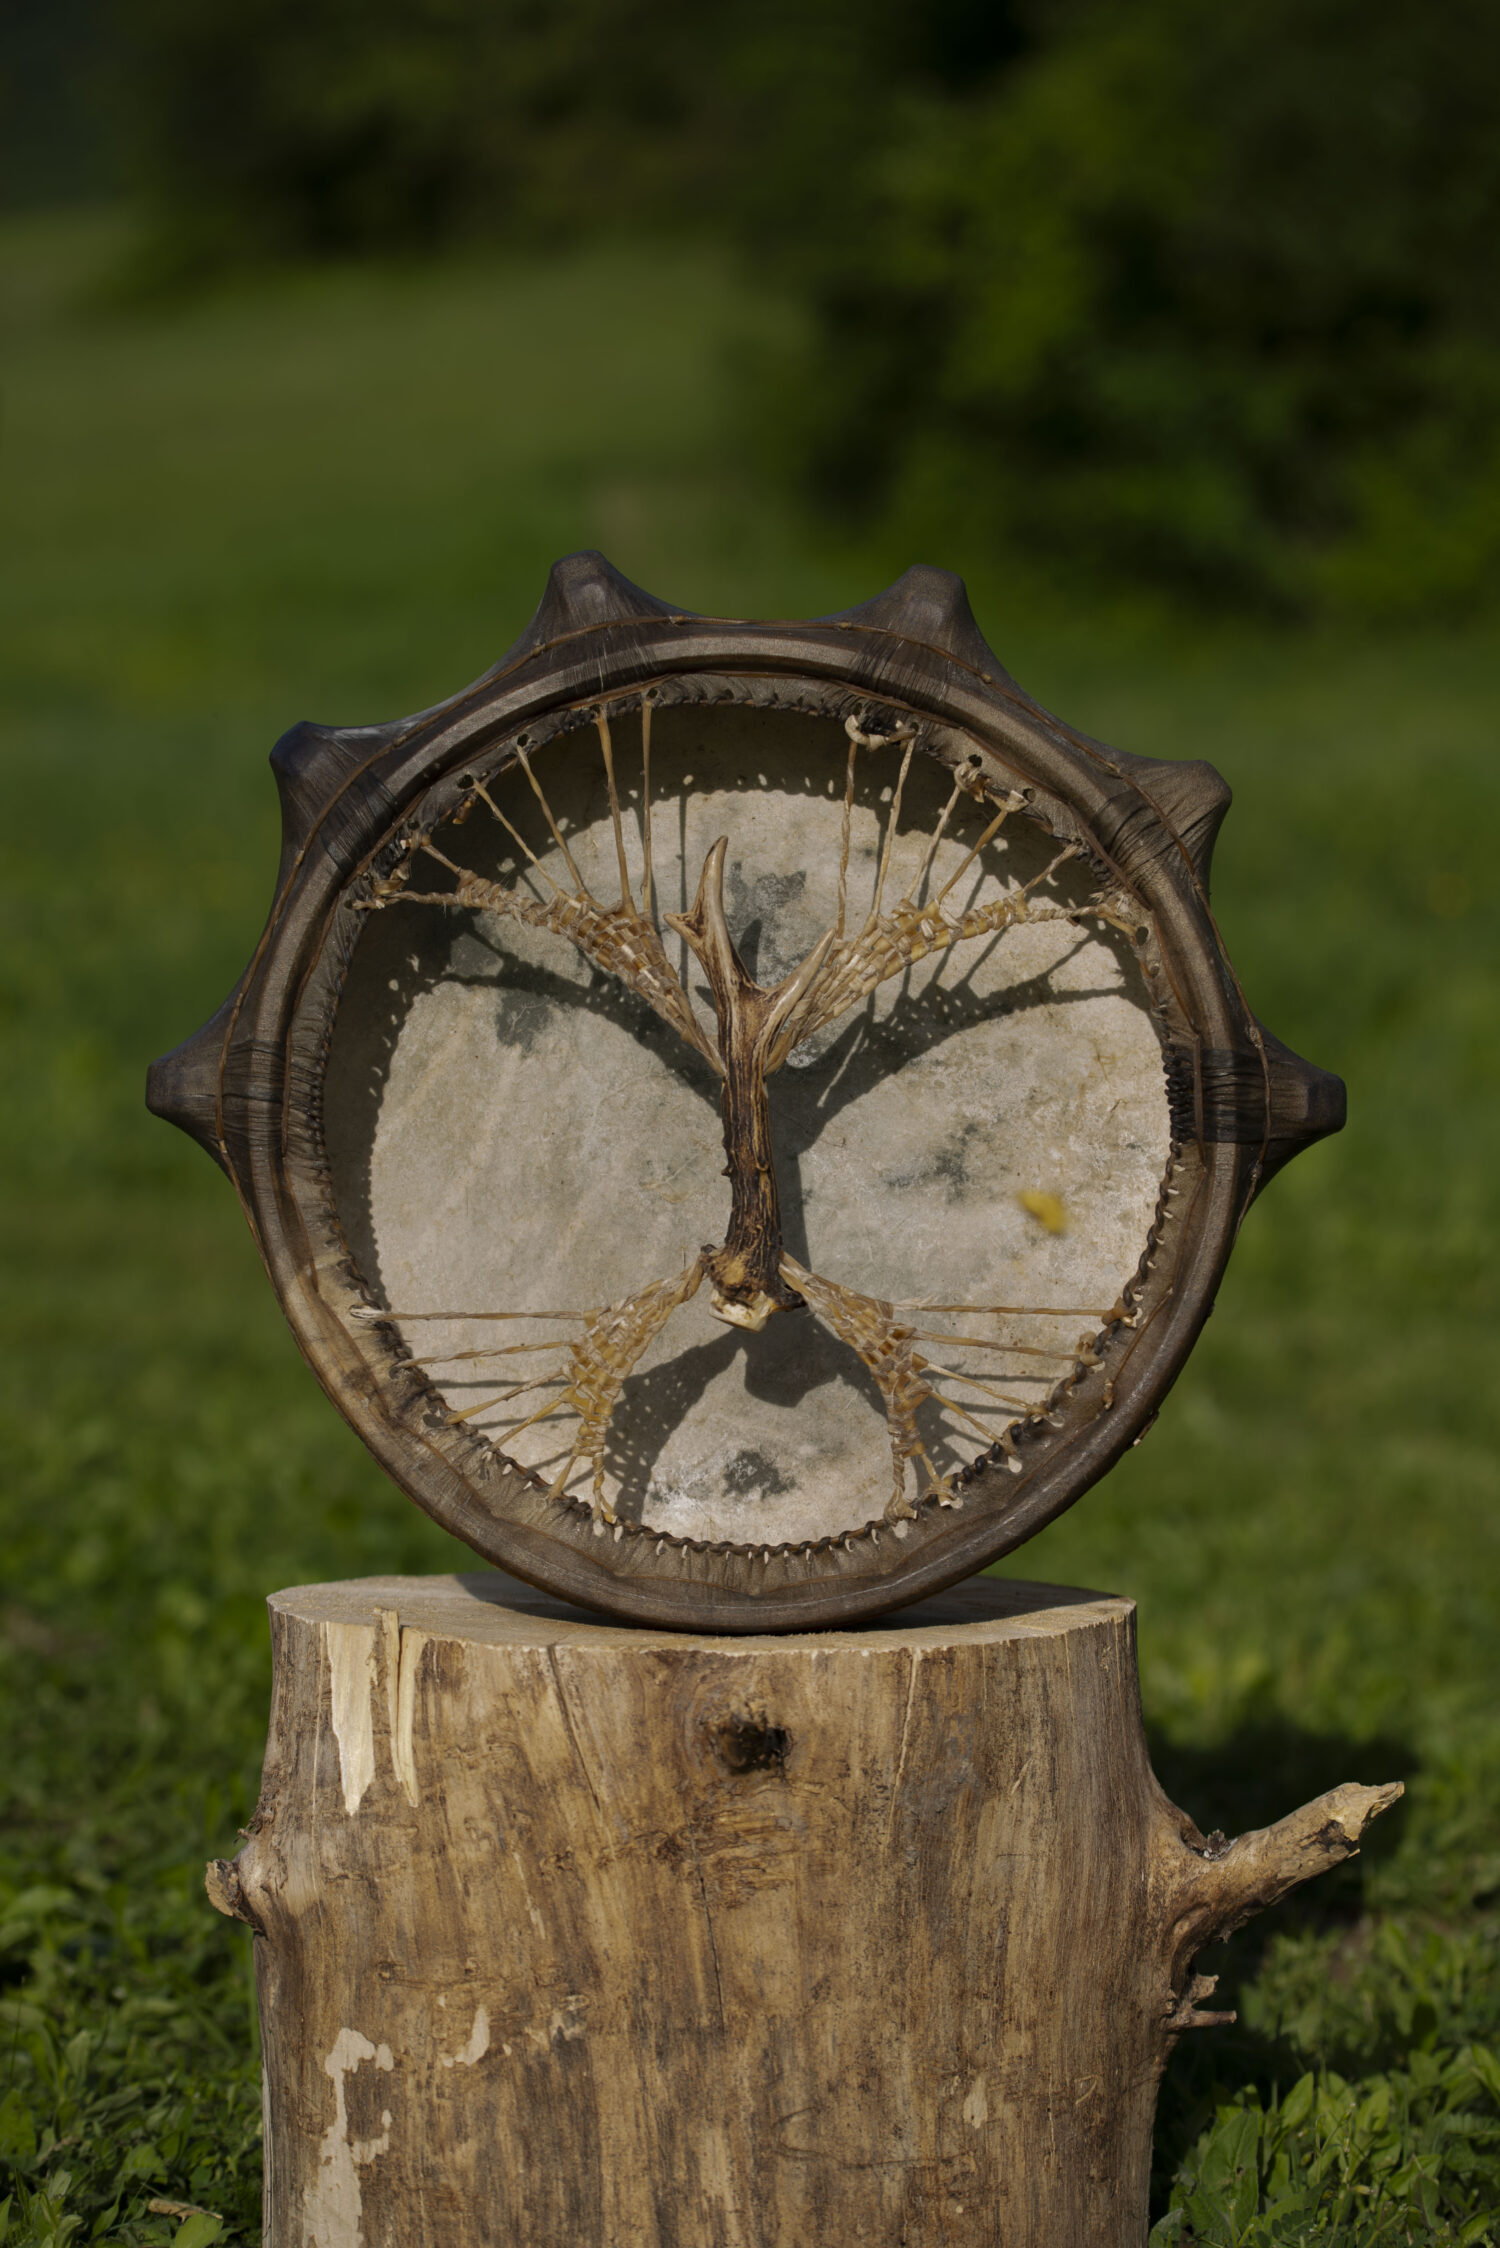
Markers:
(572, 1935)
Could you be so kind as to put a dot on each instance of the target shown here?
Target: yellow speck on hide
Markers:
(1047, 1209)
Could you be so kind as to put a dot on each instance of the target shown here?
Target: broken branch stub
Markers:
(1208, 1889)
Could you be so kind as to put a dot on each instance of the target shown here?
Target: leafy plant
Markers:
(1187, 295)
(131, 2107)
(1412, 2155)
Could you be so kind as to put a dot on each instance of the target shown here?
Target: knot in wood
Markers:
(750, 1744)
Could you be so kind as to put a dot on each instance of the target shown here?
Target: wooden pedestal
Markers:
(572, 1935)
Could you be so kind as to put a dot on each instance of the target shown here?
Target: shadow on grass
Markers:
(1265, 1769)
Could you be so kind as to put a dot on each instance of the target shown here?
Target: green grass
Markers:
(337, 497)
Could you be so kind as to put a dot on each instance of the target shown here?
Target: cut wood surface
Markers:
(575, 1935)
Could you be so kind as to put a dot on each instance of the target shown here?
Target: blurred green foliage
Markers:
(1197, 293)
(278, 128)
(59, 81)
(337, 494)
(1173, 294)
(283, 128)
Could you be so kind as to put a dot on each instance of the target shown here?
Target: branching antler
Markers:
(624, 941)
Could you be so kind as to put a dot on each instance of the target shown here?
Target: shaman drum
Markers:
(747, 1120)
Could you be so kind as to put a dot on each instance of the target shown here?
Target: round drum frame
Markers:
(248, 1086)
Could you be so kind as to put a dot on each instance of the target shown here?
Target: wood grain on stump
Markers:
(573, 1935)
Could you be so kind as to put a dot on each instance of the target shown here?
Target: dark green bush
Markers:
(296, 127)
(1196, 294)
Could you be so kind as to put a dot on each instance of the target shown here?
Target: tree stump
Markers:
(574, 1935)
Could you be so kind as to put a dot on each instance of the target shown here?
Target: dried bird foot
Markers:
(885, 1344)
(612, 1343)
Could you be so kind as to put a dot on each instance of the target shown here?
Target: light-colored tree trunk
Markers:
(572, 1935)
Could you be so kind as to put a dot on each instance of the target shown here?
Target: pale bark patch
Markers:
(351, 1677)
(331, 2201)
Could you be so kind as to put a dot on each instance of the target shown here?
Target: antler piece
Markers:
(745, 1270)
